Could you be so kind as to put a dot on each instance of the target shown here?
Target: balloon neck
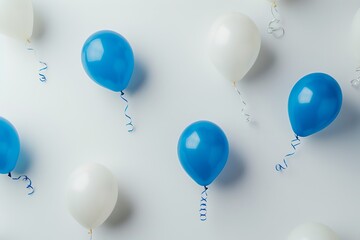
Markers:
(9, 174)
(90, 233)
(206, 188)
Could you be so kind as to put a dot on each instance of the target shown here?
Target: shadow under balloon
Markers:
(39, 24)
(348, 121)
(138, 79)
(233, 171)
(122, 211)
(263, 64)
(24, 162)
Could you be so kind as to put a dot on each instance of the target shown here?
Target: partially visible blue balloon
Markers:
(314, 103)
(108, 59)
(203, 150)
(9, 146)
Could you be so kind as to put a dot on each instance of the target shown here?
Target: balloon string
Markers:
(274, 27)
(356, 82)
(243, 110)
(91, 234)
(203, 205)
(129, 124)
(43, 67)
(294, 143)
(26, 179)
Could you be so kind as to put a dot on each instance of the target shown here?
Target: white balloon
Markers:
(16, 18)
(234, 45)
(356, 35)
(92, 194)
(313, 231)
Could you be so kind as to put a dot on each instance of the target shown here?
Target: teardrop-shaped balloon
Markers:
(356, 36)
(203, 151)
(234, 45)
(314, 103)
(9, 146)
(91, 194)
(313, 231)
(16, 18)
(108, 59)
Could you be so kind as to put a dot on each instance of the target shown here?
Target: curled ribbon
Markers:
(203, 205)
(243, 110)
(26, 179)
(274, 27)
(44, 66)
(129, 125)
(294, 144)
(356, 82)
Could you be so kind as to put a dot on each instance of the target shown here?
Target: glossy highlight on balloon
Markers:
(9, 146)
(203, 150)
(314, 103)
(108, 59)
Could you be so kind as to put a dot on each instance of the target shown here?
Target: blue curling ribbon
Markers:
(26, 179)
(203, 205)
(294, 143)
(129, 125)
(42, 77)
(243, 110)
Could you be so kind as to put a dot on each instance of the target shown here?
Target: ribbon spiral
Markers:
(356, 82)
(243, 110)
(26, 179)
(44, 66)
(129, 125)
(274, 27)
(203, 205)
(294, 143)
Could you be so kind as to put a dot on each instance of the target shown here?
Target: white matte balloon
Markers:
(92, 195)
(234, 45)
(313, 231)
(356, 35)
(16, 18)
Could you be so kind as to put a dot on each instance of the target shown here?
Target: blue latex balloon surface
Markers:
(314, 103)
(9, 146)
(203, 151)
(108, 59)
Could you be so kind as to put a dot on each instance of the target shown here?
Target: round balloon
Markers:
(314, 103)
(234, 45)
(356, 35)
(313, 231)
(16, 18)
(203, 151)
(92, 194)
(108, 59)
(9, 146)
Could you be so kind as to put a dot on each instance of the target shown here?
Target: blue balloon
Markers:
(314, 103)
(9, 146)
(108, 60)
(203, 150)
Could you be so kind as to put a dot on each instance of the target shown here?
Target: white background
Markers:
(70, 120)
